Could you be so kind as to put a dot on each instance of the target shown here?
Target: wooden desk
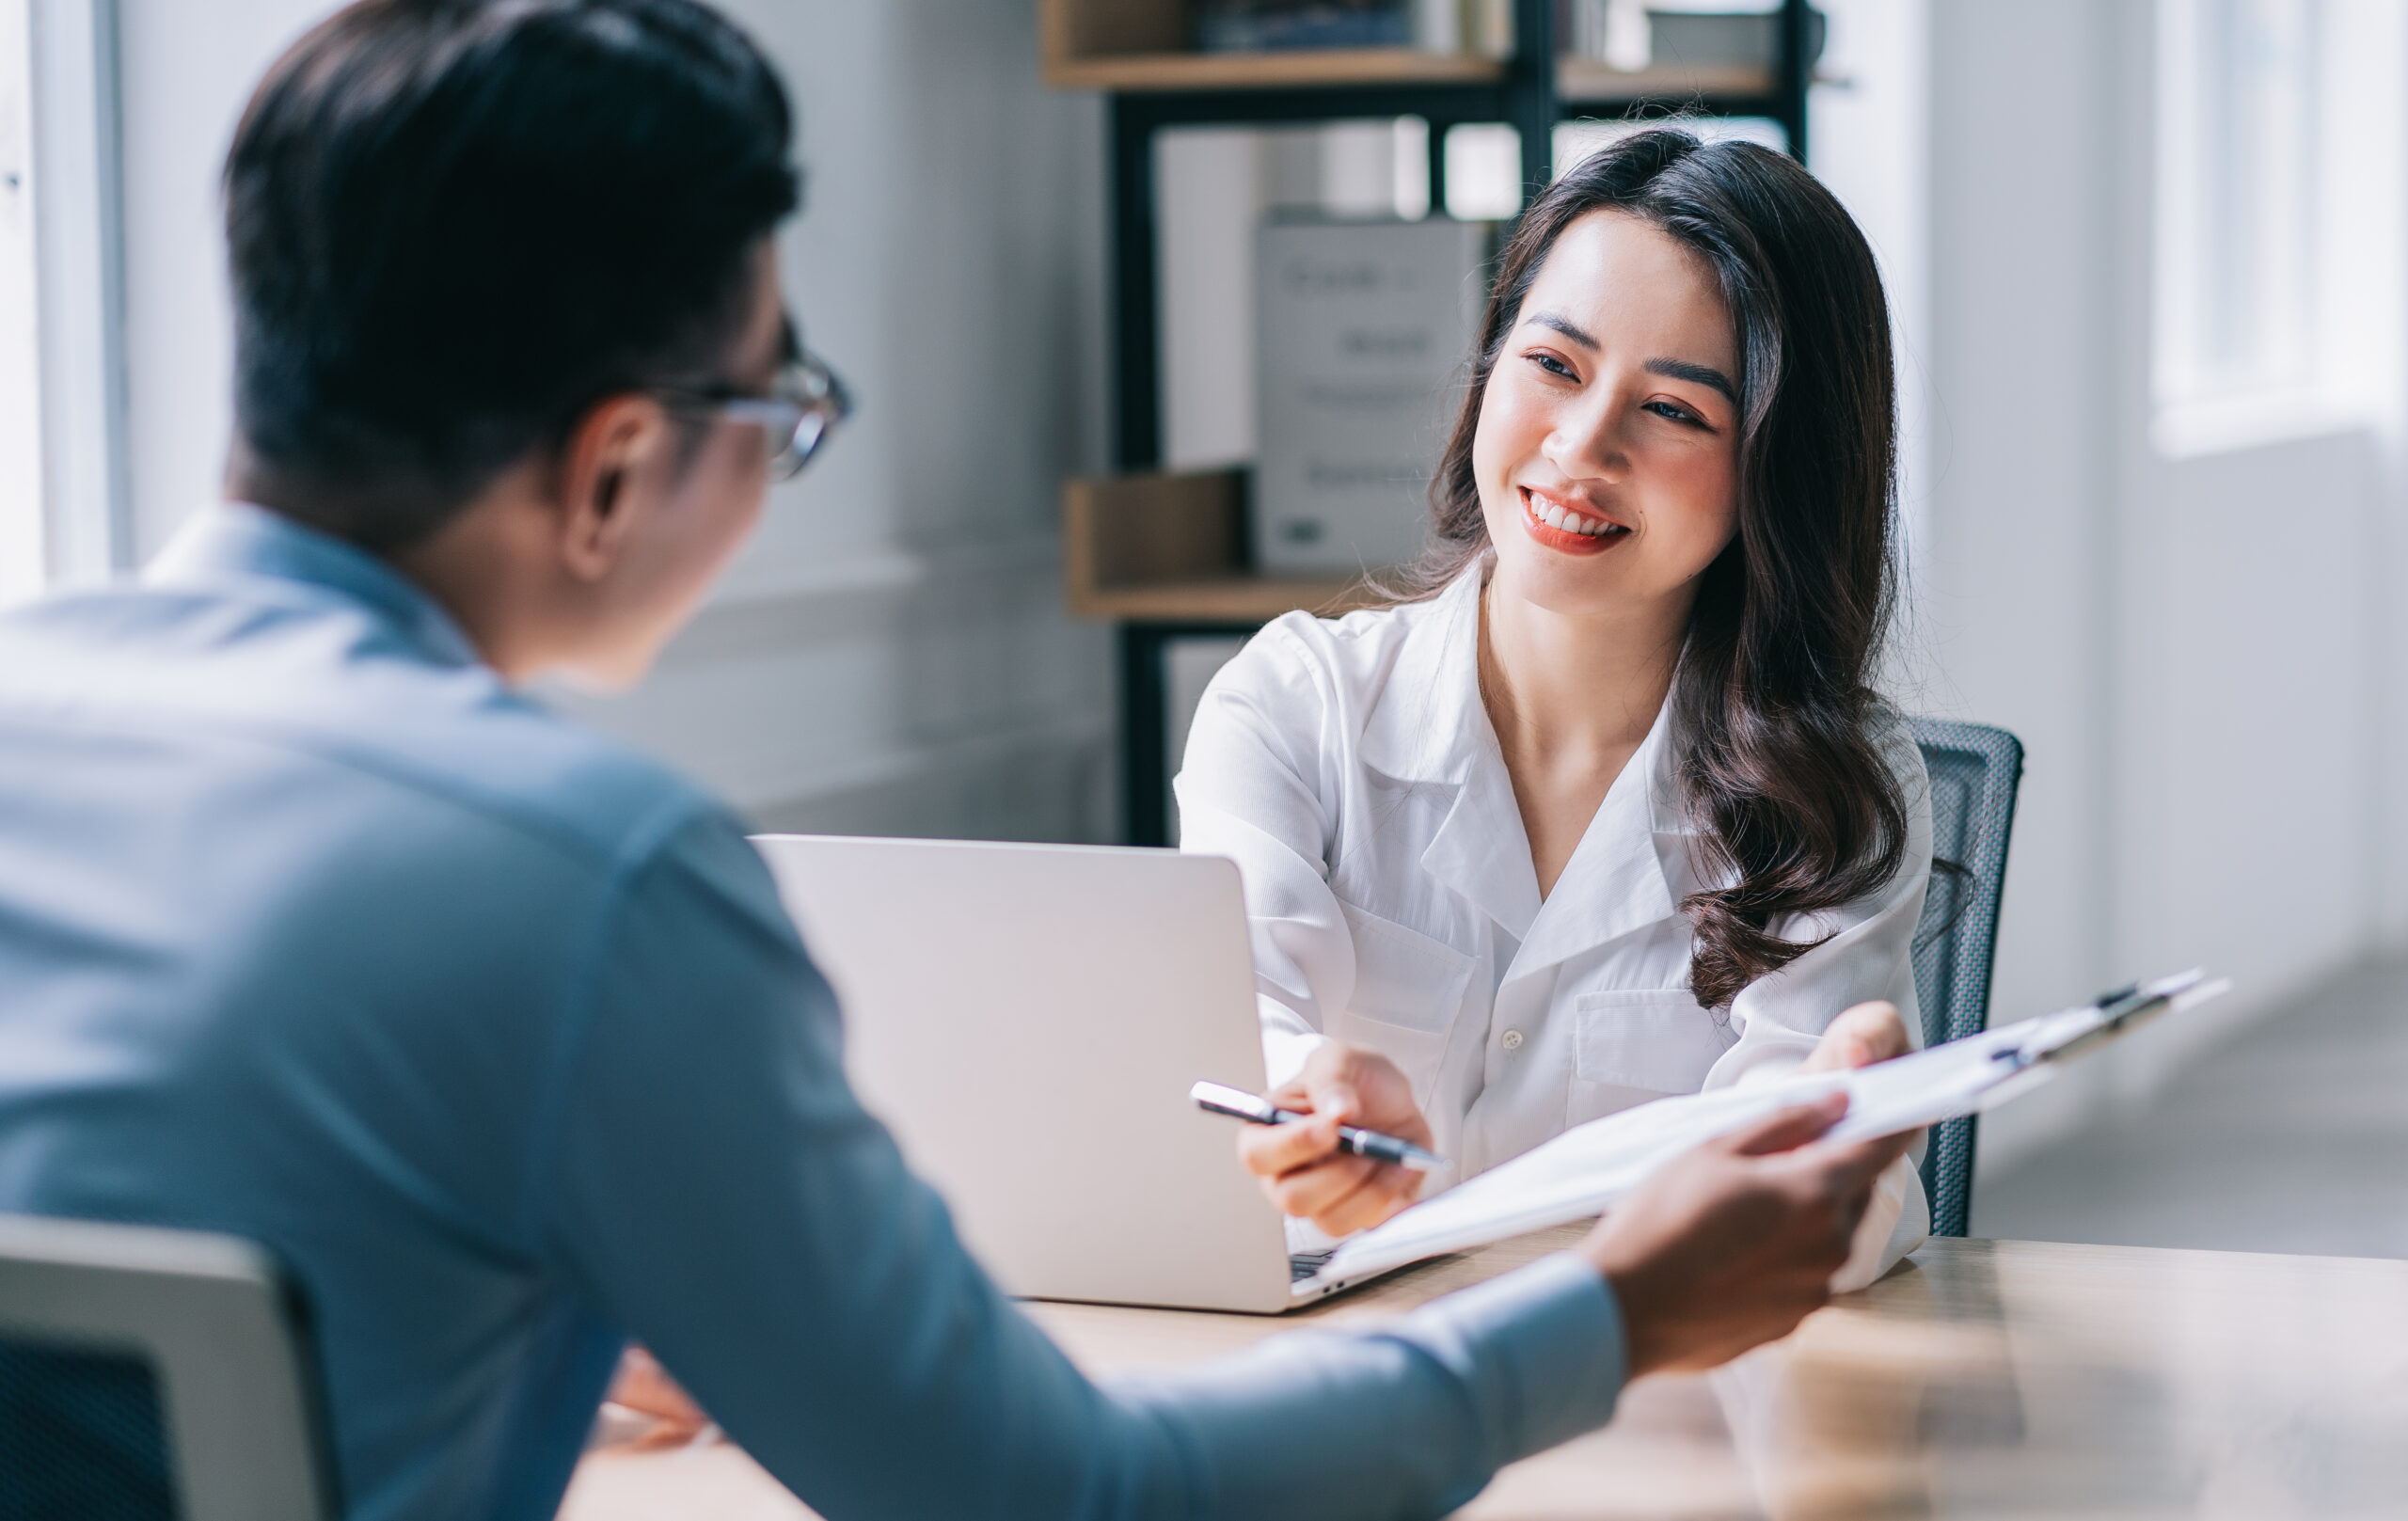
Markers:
(1983, 1378)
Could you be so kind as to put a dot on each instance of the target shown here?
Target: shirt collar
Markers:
(1427, 725)
(238, 542)
(1618, 879)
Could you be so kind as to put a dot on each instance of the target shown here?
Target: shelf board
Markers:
(1170, 548)
(1270, 71)
(1586, 80)
(1232, 599)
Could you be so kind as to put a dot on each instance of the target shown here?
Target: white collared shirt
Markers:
(1347, 766)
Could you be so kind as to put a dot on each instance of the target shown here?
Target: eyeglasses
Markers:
(804, 405)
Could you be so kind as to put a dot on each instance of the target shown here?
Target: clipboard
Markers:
(1583, 1171)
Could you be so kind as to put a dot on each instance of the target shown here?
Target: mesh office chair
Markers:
(1974, 770)
(153, 1375)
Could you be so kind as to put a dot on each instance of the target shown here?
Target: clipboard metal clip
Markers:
(2119, 1011)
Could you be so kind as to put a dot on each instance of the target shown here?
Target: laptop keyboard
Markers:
(1303, 1265)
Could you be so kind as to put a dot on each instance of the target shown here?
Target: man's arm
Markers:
(716, 1190)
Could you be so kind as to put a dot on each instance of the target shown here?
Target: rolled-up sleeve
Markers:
(712, 1188)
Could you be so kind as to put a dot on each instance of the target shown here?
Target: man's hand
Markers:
(1299, 1163)
(642, 1385)
(1861, 1035)
(1736, 1243)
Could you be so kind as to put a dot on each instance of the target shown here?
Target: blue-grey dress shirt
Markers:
(313, 930)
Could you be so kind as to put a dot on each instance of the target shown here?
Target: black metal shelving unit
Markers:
(1523, 94)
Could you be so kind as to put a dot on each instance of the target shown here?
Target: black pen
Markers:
(1239, 1104)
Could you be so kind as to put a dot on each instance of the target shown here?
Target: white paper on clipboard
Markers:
(1582, 1171)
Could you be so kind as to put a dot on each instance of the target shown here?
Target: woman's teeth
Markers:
(1553, 516)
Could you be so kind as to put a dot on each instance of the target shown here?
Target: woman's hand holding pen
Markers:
(1300, 1165)
(1305, 1173)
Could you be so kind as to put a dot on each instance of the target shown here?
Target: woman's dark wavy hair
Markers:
(1782, 773)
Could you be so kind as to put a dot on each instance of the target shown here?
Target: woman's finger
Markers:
(1272, 1150)
(1368, 1205)
(1310, 1192)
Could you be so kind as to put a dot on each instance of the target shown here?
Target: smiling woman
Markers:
(1606, 807)
(1768, 447)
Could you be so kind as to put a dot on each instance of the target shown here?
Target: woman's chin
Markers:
(1571, 586)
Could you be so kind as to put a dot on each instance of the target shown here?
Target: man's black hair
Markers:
(457, 225)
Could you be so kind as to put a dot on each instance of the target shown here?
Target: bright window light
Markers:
(2236, 198)
(24, 559)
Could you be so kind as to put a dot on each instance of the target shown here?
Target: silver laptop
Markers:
(1028, 1019)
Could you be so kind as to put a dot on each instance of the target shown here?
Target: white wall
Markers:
(2020, 530)
(1869, 133)
(889, 655)
(2185, 624)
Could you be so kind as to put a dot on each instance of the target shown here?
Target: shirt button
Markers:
(1511, 1040)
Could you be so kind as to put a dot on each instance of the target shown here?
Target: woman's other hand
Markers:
(1299, 1163)
(1861, 1035)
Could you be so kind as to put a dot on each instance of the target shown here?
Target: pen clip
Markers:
(1220, 1098)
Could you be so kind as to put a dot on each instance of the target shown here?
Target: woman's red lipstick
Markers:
(1564, 534)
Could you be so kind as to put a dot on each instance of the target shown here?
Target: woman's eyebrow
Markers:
(1566, 327)
(1699, 374)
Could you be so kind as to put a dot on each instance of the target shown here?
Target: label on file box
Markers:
(1363, 330)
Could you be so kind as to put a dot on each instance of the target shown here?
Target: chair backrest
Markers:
(148, 1374)
(1974, 770)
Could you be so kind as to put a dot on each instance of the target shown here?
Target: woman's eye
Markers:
(1677, 412)
(1553, 366)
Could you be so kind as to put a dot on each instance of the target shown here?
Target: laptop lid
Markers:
(1027, 1020)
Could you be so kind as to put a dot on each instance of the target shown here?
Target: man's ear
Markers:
(598, 468)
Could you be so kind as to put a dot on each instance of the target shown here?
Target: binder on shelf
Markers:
(1362, 329)
(1453, 27)
(1269, 26)
(1477, 27)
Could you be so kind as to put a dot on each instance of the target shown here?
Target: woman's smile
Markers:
(1568, 528)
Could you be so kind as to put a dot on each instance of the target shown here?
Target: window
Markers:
(2236, 209)
(62, 481)
(24, 554)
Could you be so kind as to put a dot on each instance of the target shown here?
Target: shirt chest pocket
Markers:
(1403, 978)
(1653, 1038)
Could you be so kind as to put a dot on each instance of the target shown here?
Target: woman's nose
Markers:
(1586, 445)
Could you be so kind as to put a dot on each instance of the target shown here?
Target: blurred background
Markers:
(2147, 259)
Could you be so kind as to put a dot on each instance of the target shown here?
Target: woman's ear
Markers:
(600, 471)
